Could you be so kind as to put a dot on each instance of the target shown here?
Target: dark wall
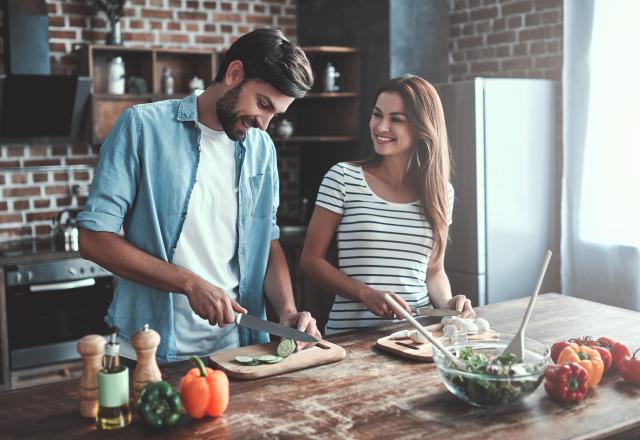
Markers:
(363, 24)
(419, 34)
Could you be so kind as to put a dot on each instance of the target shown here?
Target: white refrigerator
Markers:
(502, 137)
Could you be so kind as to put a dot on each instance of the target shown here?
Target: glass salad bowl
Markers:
(491, 379)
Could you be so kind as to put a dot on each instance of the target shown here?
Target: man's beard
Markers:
(226, 108)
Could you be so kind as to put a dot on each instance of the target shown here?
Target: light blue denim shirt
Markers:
(143, 181)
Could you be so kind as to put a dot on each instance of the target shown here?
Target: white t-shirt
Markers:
(207, 244)
(207, 247)
(382, 244)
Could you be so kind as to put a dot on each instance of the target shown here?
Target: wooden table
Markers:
(375, 395)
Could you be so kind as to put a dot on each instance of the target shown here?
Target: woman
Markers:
(391, 212)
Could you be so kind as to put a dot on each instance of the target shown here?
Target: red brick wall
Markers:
(30, 199)
(513, 38)
(500, 38)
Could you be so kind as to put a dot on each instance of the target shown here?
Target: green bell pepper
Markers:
(160, 405)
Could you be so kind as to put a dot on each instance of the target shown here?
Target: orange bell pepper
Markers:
(586, 357)
(204, 391)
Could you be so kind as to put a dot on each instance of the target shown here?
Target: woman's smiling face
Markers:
(389, 125)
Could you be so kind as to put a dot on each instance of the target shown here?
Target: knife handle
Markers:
(237, 318)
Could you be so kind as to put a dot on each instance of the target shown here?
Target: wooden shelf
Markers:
(145, 63)
(318, 117)
(329, 49)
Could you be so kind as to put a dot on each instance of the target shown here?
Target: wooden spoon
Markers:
(516, 346)
(402, 312)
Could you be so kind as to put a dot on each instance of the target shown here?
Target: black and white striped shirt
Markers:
(382, 244)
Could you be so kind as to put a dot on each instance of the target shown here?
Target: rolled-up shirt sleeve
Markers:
(115, 182)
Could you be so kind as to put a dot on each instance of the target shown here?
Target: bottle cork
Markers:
(146, 343)
(91, 348)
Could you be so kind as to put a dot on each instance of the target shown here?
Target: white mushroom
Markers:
(449, 330)
(467, 326)
(418, 337)
(447, 320)
(402, 334)
(483, 325)
(458, 323)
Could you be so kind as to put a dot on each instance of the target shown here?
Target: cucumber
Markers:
(286, 347)
(247, 360)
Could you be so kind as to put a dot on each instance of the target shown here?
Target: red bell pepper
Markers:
(619, 351)
(567, 382)
(602, 345)
(629, 368)
(557, 348)
(605, 354)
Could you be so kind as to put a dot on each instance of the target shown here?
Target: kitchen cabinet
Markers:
(147, 64)
(371, 394)
(326, 125)
(327, 116)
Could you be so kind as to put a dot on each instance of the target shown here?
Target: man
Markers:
(194, 182)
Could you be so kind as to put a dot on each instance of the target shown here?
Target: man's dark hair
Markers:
(268, 56)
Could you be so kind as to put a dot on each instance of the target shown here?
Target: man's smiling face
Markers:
(251, 104)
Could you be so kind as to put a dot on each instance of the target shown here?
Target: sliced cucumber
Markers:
(286, 347)
(267, 358)
(245, 360)
(275, 360)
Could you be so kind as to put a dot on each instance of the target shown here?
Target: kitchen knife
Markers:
(273, 328)
(429, 311)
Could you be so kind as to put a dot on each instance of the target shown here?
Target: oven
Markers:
(52, 304)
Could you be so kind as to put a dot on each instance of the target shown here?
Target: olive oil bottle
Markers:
(113, 389)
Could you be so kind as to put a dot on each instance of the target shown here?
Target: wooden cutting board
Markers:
(323, 353)
(424, 352)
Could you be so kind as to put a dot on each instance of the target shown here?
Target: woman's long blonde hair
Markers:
(429, 165)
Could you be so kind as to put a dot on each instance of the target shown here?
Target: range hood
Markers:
(36, 106)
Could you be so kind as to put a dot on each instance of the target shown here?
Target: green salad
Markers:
(503, 380)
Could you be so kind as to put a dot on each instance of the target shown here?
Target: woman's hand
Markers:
(463, 305)
(374, 300)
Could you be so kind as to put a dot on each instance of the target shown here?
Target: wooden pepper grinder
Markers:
(146, 343)
(91, 348)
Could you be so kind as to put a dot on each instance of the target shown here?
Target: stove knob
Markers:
(29, 275)
(72, 271)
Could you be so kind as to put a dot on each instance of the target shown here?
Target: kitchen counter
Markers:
(372, 394)
(27, 251)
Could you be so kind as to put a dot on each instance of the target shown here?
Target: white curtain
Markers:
(601, 129)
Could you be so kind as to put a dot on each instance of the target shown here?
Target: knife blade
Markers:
(273, 328)
(429, 311)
